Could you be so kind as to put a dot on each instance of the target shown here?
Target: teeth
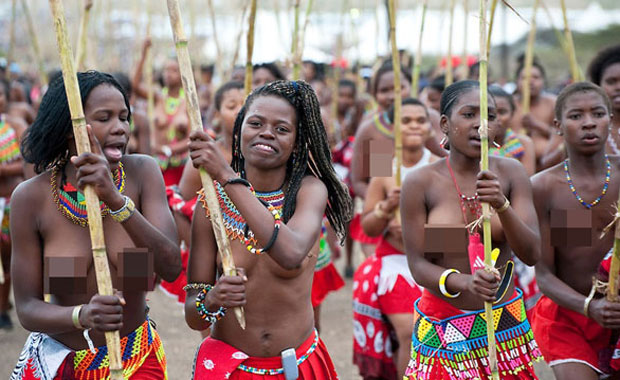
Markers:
(264, 146)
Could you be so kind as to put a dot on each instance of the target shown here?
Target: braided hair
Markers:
(311, 155)
(45, 143)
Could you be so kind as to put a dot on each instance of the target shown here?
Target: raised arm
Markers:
(375, 218)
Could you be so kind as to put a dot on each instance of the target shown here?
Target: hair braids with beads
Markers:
(311, 154)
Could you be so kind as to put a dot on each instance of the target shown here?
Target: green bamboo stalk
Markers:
(337, 74)
(193, 109)
(572, 56)
(464, 65)
(295, 43)
(302, 41)
(237, 40)
(449, 74)
(218, 49)
(398, 141)
(100, 257)
(561, 39)
(529, 60)
(34, 41)
(415, 75)
(11, 52)
(614, 269)
(148, 73)
(491, 23)
(82, 36)
(484, 165)
(250, 48)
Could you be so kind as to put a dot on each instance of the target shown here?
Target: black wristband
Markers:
(237, 180)
(271, 241)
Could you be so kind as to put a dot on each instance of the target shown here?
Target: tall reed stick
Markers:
(302, 40)
(484, 165)
(491, 23)
(614, 268)
(83, 35)
(449, 74)
(464, 66)
(34, 41)
(100, 257)
(398, 141)
(218, 49)
(559, 36)
(529, 60)
(237, 41)
(415, 75)
(331, 130)
(250, 48)
(11, 52)
(193, 108)
(295, 44)
(570, 46)
(148, 73)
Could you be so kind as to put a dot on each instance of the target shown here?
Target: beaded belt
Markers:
(279, 371)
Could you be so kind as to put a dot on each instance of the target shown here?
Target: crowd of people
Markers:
(304, 172)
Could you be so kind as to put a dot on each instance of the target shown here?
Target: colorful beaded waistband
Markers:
(279, 371)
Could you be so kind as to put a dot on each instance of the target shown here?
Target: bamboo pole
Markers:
(465, 67)
(238, 40)
(415, 75)
(398, 142)
(250, 48)
(614, 268)
(336, 77)
(302, 40)
(218, 49)
(377, 28)
(449, 74)
(491, 23)
(193, 108)
(295, 43)
(11, 52)
(574, 66)
(82, 36)
(100, 257)
(484, 165)
(561, 39)
(34, 41)
(529, 60)
(148, 73)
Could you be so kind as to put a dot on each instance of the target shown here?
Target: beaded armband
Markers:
(205, 314)
(124, 212)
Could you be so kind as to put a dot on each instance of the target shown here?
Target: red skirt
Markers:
(325, 281)
(217, 360)
(172, 175)
(565, 336)
(357, 232)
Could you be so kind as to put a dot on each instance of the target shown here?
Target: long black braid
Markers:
(311, 155)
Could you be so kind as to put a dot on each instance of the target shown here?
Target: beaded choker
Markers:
(72, 203)
(383, 124)
(234, 223)
(585, 204)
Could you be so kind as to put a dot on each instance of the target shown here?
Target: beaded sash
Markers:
(234, 223)
(512, 146)
(9, 146)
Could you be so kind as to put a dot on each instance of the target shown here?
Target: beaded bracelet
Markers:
(205, 314)
(197, 286)
(272, 240)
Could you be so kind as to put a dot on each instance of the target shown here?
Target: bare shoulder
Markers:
(548, 98)
(507, 166)
(546, 178)
(29, 194)
(312, 185)
(615, 161)
(364, 131)
(140, 163)
(425, 174)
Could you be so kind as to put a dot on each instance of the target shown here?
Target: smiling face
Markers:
(268, 132)
(585, 122)
(107, 114)
(461, 126)
(415, 126)
(610, 82)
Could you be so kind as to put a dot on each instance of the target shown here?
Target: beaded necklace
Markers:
(383, 125)
(9, 146)
(172, 103)
(472, 203)
(234, 223)
(605, 186)
(72, 203)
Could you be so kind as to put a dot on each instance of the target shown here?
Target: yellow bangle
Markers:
(75, 316)
(504, 207)
(442, 283)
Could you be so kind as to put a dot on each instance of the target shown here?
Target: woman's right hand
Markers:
(391, 202)
(103, 313)
(484, 284)
(605, 313)
(228, 292)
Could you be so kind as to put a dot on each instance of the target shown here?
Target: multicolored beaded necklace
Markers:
(72, 203)
(472, 203)
(172, 103)
(234, 223)
(605, 186)
(383, 124)
(9, 146)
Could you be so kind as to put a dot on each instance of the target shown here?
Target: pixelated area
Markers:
(571, 228)
(440, 240)
(378, 155)
(136, 270)
(65, 275)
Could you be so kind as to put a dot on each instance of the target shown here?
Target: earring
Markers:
(495, 144)
(443, 141)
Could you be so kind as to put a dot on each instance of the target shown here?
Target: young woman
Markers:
(273, 198)
(395, 291)
(575, 328)
(443, 255)
(52, 248)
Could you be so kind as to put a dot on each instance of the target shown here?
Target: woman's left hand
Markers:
(205, 154)
(489, 189)
(93, 169)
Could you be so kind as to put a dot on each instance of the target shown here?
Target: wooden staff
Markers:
(250, 49)
(529, 60)
(191, 96)
(9, 56)
(82, 36)
(398, 141)
(570, 46)
(449, 76)
(464, 65)
(415, 75)
(34, 41)
(295, 43)
(484, 165)
(100, 257)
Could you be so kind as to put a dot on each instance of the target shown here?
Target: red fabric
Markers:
(400, 299)
(343, 154)
(177, 203)
(150, 370)
(384, 248)
(216, 359)
(175, 288)
(357, 232)
(325, 281)
(563, 334)
(318, 366)
(172, 175)
(475, 250)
